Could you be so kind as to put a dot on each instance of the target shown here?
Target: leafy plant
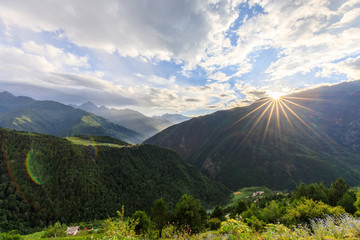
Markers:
(303, 210)
(236, 229)
(119, 228)
(58, 230)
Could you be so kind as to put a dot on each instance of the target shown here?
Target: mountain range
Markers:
(173, 118)
(309, 136)
(27, 114)
(134, 120)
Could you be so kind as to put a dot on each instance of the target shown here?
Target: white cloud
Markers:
(159, 81)
(153, 29)
(251, 93)
(55, 55)
(350, 67)
(17, 65)
(219, 76)
(44, 66)
(301, 32)
(307, 35)
(348, 17)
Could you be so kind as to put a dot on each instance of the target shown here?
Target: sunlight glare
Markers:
(277, 105)
(275, 95)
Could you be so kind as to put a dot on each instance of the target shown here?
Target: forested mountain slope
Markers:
(45, 179)
(311, 136)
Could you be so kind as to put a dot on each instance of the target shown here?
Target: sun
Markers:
(275, 106)
(275, 95)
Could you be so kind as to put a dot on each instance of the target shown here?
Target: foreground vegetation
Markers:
(313, 211)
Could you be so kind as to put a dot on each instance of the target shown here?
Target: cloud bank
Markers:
(190, 56)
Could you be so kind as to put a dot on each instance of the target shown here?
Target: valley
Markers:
(282, 145)
(183, 119)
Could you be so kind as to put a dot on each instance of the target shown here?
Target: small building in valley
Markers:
(72, 230)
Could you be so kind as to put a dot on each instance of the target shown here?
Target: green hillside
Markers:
(45, 179)
(48, 117)
(96, 141)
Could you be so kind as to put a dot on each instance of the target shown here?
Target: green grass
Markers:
(80, 236)
(36, 235)
(85, 142)
(90, 121)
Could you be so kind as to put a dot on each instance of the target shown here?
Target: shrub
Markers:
(236, 229)
(141, 221)
(303, 210)
(7, 236)
(58, 230)
(189, 212)
(255, 223)
(214, 224)
(120, 228)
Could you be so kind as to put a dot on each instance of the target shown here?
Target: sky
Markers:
(175, 56)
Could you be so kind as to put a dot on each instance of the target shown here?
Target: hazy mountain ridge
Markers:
(49, 117)
(134, 120)
(231, 150)
(173, 118)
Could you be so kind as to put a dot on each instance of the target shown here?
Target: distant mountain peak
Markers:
(6, 95)
(173, 118)
(88, 103)
(102, 107)
(88, 106)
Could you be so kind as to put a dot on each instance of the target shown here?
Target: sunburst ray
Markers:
(277, 107)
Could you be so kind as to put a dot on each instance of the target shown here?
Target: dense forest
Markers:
(111, 189)
(312, 211)
(45, 179)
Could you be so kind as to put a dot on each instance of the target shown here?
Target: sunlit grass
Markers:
(34, 236)
(85, 142)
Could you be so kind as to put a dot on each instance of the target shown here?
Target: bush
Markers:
(58, 230)
(236, 229)
(255, 223)
(218, 213)
(214, 224)
(303, 210)
(240, 207)
(141, 221)
(347, 202)
(272, 212)
(160, 215)
(119, 228)
(189, 212)
(7, 236)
